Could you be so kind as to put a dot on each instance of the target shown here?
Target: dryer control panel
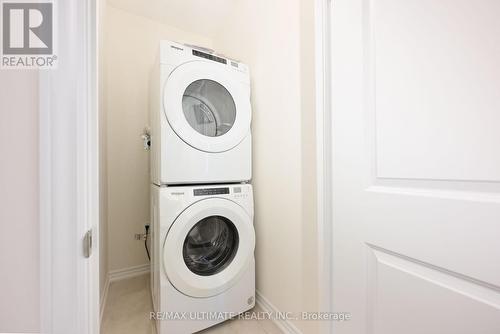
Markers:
(209, 56)
(174, 54)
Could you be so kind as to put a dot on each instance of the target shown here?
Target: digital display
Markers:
(211, 191)
(209, 56)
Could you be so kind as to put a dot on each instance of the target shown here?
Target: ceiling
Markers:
(205, 17)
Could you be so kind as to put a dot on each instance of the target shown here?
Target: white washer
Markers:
(203, 267)
(200, 117)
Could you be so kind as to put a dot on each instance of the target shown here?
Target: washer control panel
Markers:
(240, 192)
(236, 191)
(211, 191)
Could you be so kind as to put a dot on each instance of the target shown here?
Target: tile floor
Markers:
(129, 303)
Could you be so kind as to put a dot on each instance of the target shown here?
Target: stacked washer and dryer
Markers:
(202, 236)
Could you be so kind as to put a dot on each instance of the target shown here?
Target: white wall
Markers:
(131, 46)
(276, 39)
(19, 224)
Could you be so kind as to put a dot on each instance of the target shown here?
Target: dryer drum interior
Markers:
(209, 108)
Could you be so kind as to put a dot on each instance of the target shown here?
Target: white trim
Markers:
(104, 298)
(285, 326)
(90, 142)
(69, 290)
(121, 274)
(324, 156)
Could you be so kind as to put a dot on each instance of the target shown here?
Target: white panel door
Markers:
(416, 166)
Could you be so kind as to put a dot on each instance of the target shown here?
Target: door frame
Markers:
(69, 175)
(324, 156)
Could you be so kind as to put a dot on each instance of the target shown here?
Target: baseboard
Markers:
(104, 298)
(286, 326)
(117, 275)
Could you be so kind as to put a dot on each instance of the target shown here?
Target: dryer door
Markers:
(206, 106)
(208, 247)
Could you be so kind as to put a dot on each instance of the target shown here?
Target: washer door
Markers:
(206, 106)
(208, 247)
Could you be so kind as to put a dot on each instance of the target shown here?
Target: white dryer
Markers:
(200, 117)
(203, 267)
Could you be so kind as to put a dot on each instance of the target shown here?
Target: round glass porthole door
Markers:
(210, 245)
(209, 108)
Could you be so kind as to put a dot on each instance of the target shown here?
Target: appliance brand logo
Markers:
(28, 34)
